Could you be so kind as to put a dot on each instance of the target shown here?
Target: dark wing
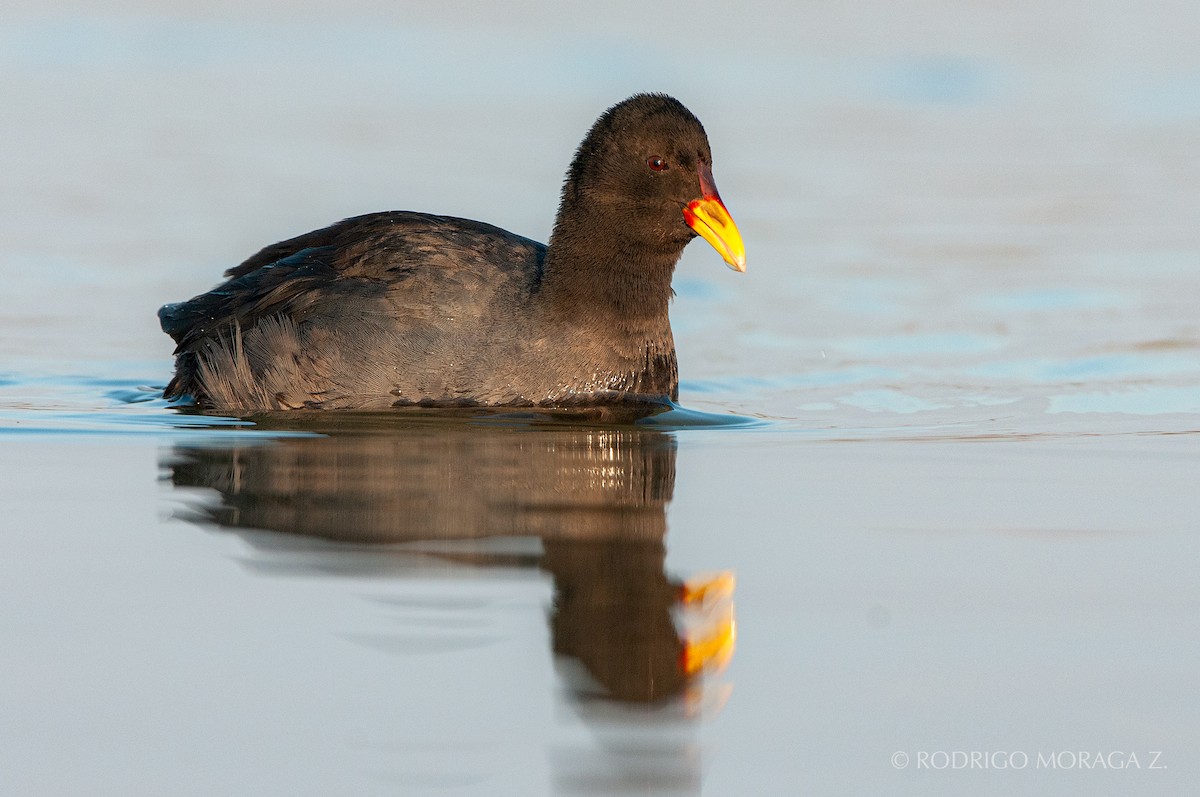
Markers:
(278, 287)
(348, 264)
(270, 255)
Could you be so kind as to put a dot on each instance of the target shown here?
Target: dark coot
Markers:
(400, 308)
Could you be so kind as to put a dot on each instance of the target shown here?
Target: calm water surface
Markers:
(933, 488)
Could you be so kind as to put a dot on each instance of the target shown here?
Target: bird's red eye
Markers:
(657, 164)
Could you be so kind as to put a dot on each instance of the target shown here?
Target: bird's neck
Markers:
(595, 275)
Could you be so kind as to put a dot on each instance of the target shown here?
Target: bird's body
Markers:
(285, 330)
(400, 308)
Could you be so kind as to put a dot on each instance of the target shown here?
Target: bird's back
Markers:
(352, 315)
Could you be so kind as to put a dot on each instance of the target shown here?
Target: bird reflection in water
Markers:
(594, 496)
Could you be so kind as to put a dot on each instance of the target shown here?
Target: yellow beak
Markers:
(712, 222)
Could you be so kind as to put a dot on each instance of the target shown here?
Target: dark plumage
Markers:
(403, 308)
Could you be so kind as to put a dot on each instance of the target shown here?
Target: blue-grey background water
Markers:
(965, 521)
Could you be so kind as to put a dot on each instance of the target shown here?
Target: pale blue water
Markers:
(943, 432)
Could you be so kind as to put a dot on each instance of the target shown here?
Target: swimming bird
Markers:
(401, 308)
